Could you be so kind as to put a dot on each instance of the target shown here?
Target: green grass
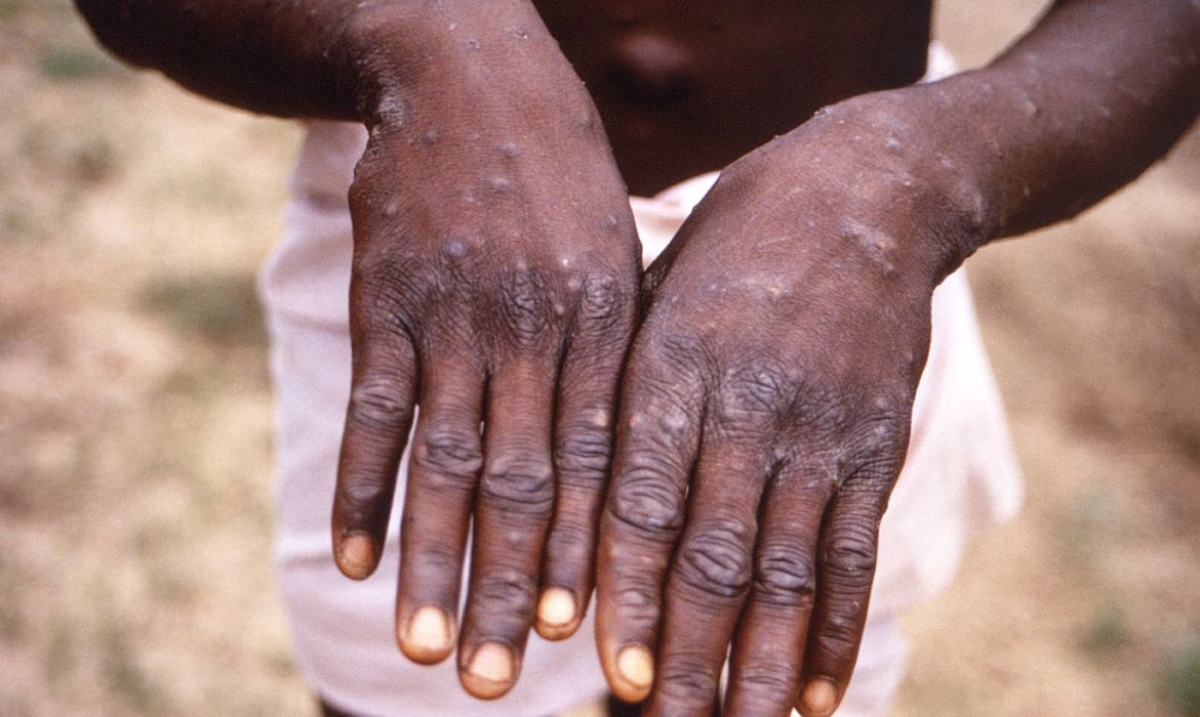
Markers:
(1108, 631)
(1179, 681)
(219, 308)
(72, 64)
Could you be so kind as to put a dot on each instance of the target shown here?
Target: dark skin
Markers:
(765, 378)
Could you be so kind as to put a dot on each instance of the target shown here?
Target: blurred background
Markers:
(135, 468)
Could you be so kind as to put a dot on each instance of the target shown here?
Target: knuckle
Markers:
(786, 574)
(646, 499)
(876, 448)
(688, 684)
(583, 454)
(839, 634)
(601, 302)
(375, 404)
(506, 596)
(518, 484)
(361, 492)
(388, 282)
(569, 543)
(362, 501)
(638, 598)
(680, 354)
(717, 559)
(760, 387)
(524, 306)
(850, 555)
(432, 561)
(769, 681)
(449, 454)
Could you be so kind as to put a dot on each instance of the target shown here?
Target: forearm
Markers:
(1082, 105)
(334, 59)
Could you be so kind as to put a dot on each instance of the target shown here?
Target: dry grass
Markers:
(135, 427)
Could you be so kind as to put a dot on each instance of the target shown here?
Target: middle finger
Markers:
(514, 504)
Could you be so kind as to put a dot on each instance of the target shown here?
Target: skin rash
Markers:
(765, 365)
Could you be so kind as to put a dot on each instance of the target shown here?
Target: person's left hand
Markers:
(765, 415)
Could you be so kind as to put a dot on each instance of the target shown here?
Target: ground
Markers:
(135, 416)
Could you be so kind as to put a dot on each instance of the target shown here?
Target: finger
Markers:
(378, 419)
(582, 454)
(846, 567)
(657, 438)
(710, 575)
(765, 667)
(442, 475)
(515, 497)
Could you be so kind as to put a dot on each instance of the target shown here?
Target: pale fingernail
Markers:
(489, 674)
(819, 699)
(356, 555)
(428, 636)
(636, 666)
(556, 608)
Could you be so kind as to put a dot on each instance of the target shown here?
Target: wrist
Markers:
(454, 58)
(915, 159)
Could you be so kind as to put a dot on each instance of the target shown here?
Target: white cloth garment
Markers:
(960, 474)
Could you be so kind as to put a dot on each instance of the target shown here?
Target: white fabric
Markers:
(960, 474)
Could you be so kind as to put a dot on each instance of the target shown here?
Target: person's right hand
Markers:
(494, 285)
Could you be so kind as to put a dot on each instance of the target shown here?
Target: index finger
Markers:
(378, 419)
(658, 436)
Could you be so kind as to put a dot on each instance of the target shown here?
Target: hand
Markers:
(495, 278)
(765, 416)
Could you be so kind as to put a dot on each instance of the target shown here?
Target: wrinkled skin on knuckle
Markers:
(669, 360)
(838, 638)
(435, 561)
(583, 454)
(450, 457)
(518, 485)
(361, 501)
(716, 560)
(638, 598)
(753, 400)
(875, 448)
(375, 404)
(523, 308)
(785, 574)
(686, 685)
(762, 683)
(389, 289)
(646, 499)
(602, 304)
(849, 555)
(505, 598)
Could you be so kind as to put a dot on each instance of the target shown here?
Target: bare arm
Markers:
(1073, 111)
(495, 276)
(280, 57)
(767, 399)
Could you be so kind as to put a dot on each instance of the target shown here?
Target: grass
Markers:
(1180, 679)
(219, 308)
(1108, 631)
(74, 64)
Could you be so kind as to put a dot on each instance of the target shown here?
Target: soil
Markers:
(135, 429)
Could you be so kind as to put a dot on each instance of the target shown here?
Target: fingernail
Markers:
(356, 555)
(428, 637)
(556, 608)
(489, 674)
(636, 666)
(820, 698)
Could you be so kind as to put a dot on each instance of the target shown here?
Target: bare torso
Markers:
(687, 86)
